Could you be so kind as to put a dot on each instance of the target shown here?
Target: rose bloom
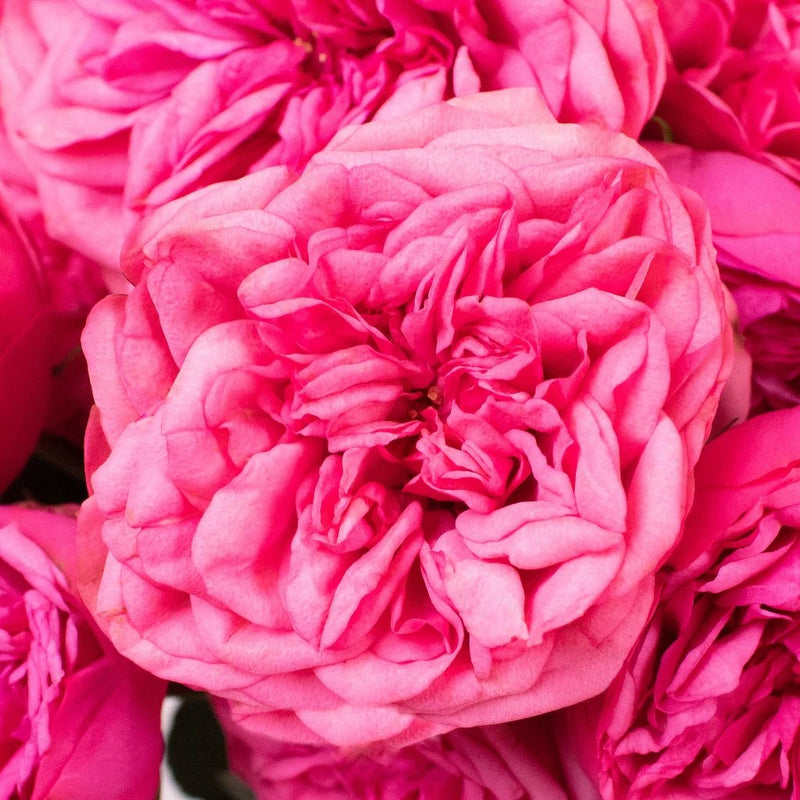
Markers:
(71, 284)
(513, 761)
(75, 717)
(755, 226)
(734, 79)
(708, 705)
(397, 445)
(120, 107)
(24, 345)
(736, 397)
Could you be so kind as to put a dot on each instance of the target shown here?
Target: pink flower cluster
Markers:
(117, 109)
(434, 370)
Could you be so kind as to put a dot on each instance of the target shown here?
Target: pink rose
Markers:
(397, 445)
(120, 107)
(755, 225)
(24, 345)
(72, 285)
(514, 761)
(708, 705)
(75, 717)
(736, 397)
(734, 81)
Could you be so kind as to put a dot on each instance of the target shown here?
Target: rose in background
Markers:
(24, 345)
(734, 78)
(708, 705)
(118, 108)
(75, 717)
(397, 446)
(71, 285)
(736, 397)
(515, 761)
(755, 223)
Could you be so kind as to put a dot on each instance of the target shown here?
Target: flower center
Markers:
(316, 49)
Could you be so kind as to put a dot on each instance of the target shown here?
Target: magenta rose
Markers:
(755, 226)
(737, 394)
(120, 107)
(24, 345)
(734, 79)
(76, 719)
(71, 284)
(708, 705)
(398, 445)
(514, 761)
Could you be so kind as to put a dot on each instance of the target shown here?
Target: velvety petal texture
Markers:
(733, 81)
(398, 445)
(708, 705)
(24, 344)
(77, 720)
(514, 761)
(755, 225)
(119, 107)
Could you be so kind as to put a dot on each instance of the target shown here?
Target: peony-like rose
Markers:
(514, 761)
(71, 285)
(120, 107)
(734, 78)
(737, 395)
(24, 345)
(755, 225)
(398, 445)
(76, 719)
(708, 705)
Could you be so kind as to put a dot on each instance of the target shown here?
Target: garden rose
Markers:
(71, 284)
(24, 345)
(120, 107)
(708, 704)
(397, 445)
(736, 397)
(514, 761)
(734, 80)
(75, 717)
(755, 226)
